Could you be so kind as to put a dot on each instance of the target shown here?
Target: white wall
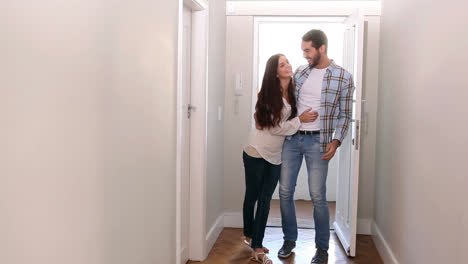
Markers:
(239, 54)
(87, 132)
(239, 37)
(215, 132)
(421, 165)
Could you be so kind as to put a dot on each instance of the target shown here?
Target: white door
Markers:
(185, 142)
(348, 156)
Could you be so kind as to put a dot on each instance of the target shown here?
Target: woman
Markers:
(275, 115)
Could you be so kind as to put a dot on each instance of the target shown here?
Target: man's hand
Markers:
(331, 149)
(308, 116)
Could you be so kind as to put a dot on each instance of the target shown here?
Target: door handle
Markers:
(190, 108)
(356, 146)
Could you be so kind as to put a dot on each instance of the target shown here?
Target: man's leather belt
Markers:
(305, 132)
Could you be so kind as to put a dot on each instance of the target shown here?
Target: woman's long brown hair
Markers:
(270, 102)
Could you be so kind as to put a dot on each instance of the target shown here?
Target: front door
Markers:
(348, 155)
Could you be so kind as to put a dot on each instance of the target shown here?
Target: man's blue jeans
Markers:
(294, 149)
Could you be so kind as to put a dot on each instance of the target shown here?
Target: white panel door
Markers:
(185, 142)
(348, 154)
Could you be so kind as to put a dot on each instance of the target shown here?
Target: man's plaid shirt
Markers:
(336, 101)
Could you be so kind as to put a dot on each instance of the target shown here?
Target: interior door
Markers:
(185, 143)
(348, 156)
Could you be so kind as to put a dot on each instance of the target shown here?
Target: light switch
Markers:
(220, 113)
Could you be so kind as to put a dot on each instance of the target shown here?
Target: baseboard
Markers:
(233, 220)
(182, 255)
(214, 232)
(382, 246)
(364, 226)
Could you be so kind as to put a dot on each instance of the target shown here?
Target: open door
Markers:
(348, 154)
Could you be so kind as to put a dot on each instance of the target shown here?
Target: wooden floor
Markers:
(229, 249)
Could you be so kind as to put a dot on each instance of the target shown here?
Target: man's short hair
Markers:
(317, 37)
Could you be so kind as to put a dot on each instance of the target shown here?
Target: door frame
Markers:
(327, 14)
(317, 19)
(301, 8)
(198, 137)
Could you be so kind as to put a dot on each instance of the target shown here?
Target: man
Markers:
(328, 90)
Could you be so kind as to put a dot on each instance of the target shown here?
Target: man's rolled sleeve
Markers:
(346, 109)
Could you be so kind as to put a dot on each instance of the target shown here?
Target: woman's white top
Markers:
(268, 143)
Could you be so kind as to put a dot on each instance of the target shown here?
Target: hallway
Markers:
(90, 134)
(229, 249)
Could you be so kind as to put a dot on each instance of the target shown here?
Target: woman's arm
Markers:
(290, 127)
(286, 128)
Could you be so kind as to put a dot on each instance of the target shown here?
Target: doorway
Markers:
(191, 130)
(183, 181)
(283, 35)
(274, 35)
